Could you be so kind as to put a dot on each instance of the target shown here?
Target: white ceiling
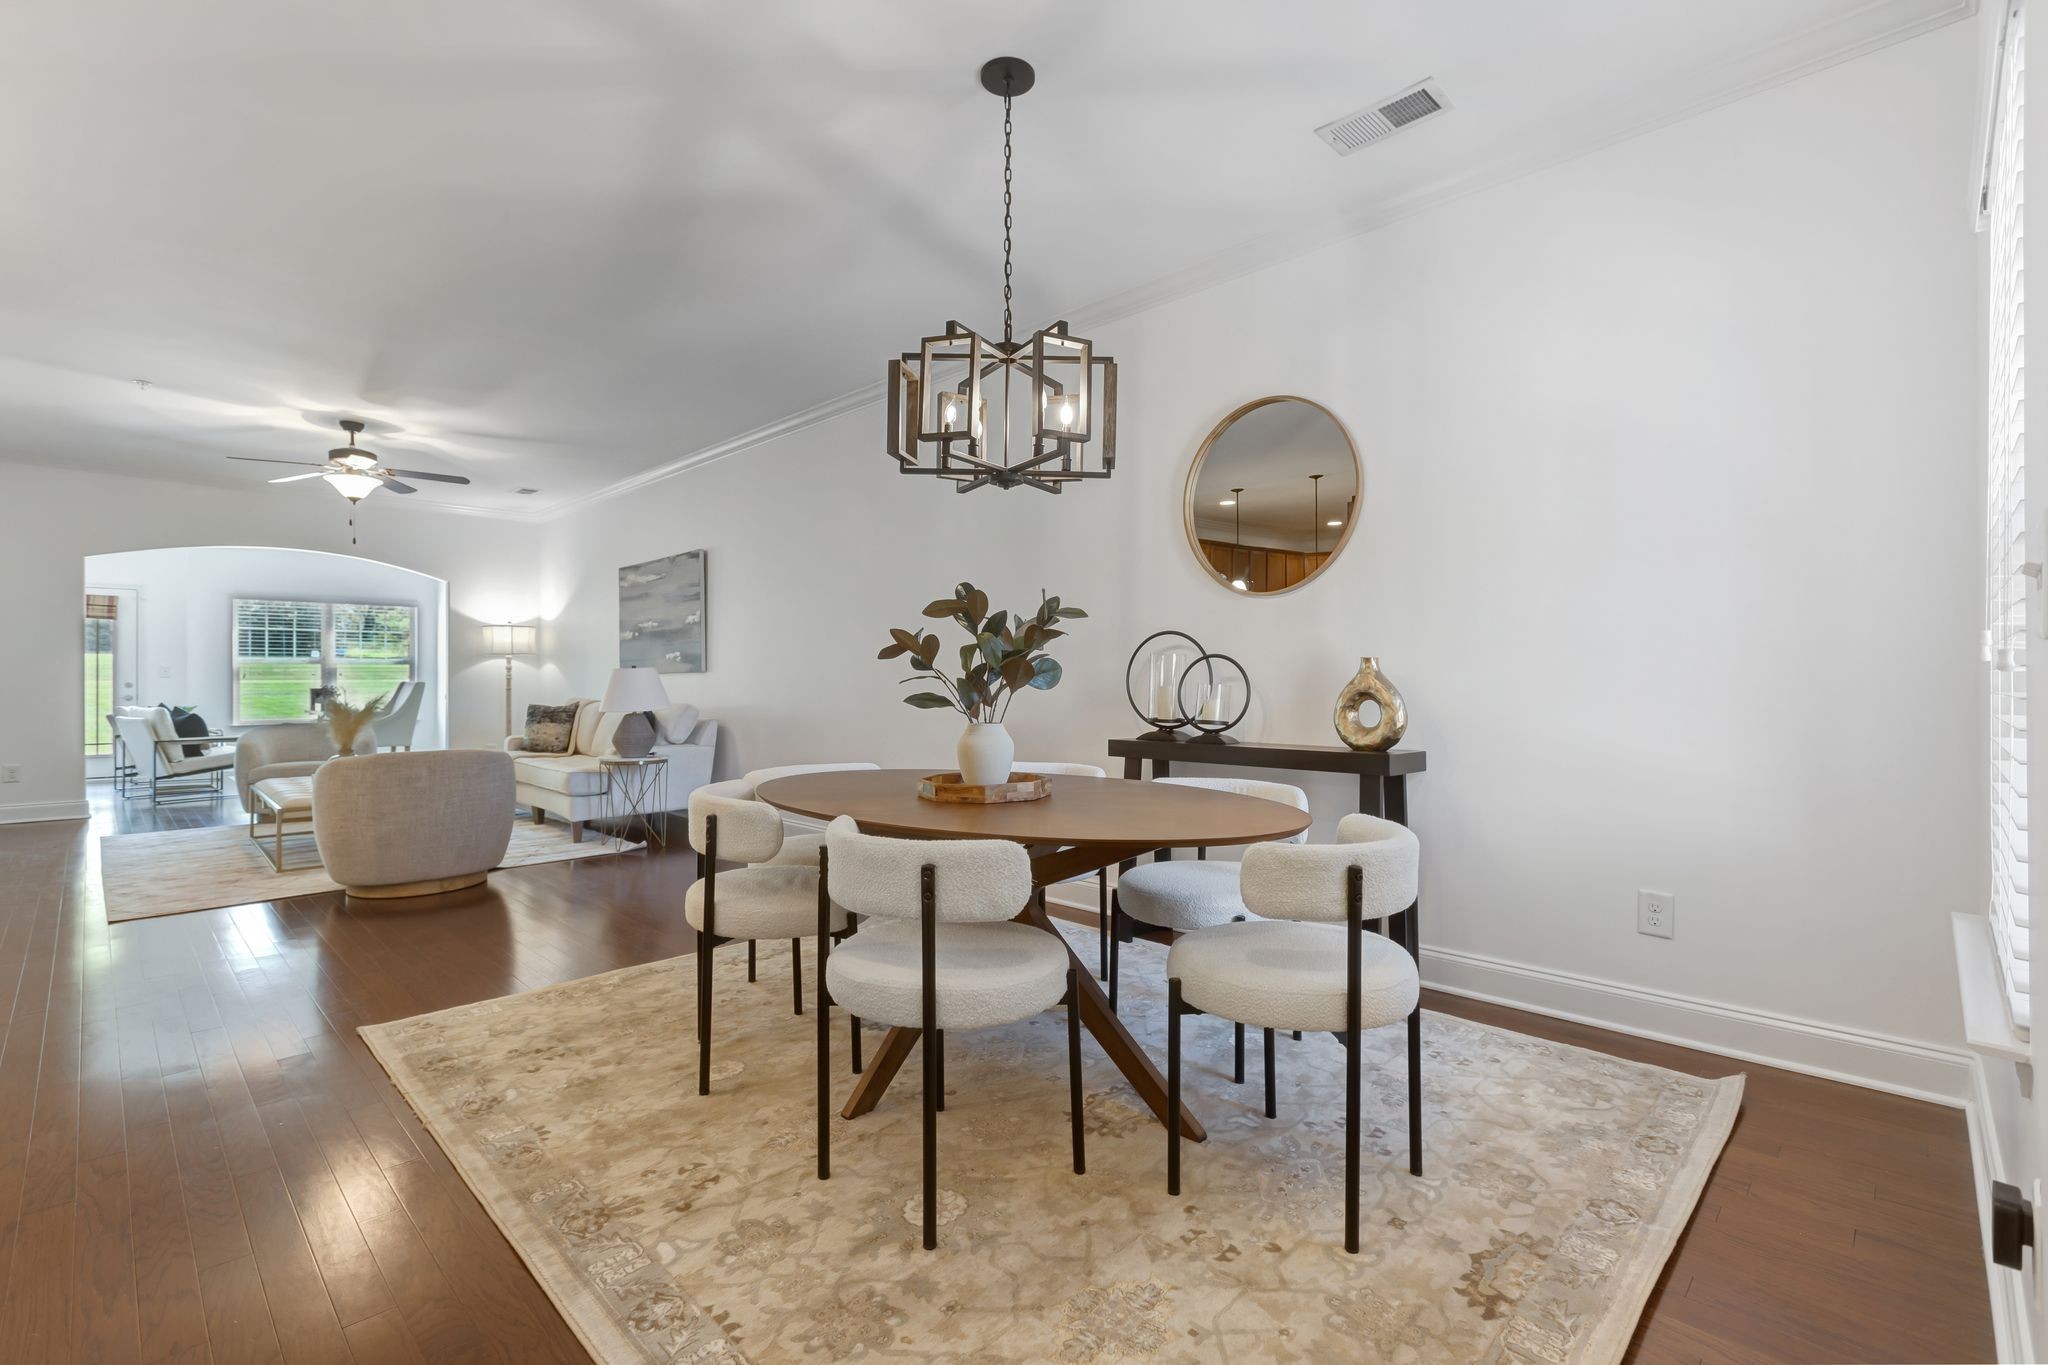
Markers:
(560, 243)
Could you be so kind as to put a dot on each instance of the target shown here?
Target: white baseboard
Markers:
(1921, 1071)
(1879, 1061)
(2010, 1324)
(28, 812)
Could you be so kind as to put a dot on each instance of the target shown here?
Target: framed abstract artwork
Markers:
(661, 614)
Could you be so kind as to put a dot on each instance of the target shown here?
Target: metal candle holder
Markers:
(1163, 727)
(1212, 728)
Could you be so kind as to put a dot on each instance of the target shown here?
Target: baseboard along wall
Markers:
(1879, 1061)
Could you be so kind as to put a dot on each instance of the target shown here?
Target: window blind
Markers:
(2005, 597)
(277, 630)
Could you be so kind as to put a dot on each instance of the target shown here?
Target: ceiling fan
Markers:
(354, 472)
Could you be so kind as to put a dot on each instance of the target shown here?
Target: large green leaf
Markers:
(992, 651)
(996, 623)
(941, 608)
(1070, 614)
(903, 637)
(929, 701)
(892, 651)
(977, 607)
(1045, 674)
(927, 651)
(1016, 672)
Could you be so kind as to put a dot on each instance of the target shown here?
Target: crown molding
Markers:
(1869, 28)
(696, 459)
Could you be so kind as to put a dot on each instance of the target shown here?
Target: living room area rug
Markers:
(668, 1226)
(170, 872)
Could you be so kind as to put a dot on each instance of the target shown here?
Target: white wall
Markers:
(57, 517)
(1670, 539)
(186, 604)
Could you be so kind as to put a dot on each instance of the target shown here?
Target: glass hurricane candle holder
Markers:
(1153, 677)
(1214, 693)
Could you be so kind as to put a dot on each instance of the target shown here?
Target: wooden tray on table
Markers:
(947, 787)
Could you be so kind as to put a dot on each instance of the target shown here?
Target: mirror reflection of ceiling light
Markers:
(1337, 522)
(1226, 502)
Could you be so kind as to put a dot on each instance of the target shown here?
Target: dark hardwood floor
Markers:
(199, 1159)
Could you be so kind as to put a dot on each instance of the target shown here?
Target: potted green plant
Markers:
(1006, 655)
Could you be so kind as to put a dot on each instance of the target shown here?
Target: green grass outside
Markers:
(99, 699)
(279, 691)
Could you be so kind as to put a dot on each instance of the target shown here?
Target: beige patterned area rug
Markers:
(669, 1227)
(169, 873)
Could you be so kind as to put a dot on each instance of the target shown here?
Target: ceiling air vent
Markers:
(526, 492)
(1384, 118)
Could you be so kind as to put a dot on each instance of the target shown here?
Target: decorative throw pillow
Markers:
(186, 721)
(548, 728)
(673, 724)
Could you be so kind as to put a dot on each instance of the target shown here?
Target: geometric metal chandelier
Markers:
(1037, 413)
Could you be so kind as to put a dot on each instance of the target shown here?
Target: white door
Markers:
(112, 668)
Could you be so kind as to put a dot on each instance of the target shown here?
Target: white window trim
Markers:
(2008, 577)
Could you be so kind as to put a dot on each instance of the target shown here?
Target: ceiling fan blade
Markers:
(294, 478)
(431, 478)
(397, 487)
(258, 459)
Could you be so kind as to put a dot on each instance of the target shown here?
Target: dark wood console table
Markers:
(1382, 777)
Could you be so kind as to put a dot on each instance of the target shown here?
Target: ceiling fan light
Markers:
(354, 487)
(352, 457)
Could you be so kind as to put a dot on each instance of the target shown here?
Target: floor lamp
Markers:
(509, 640)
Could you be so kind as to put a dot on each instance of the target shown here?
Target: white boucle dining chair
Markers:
(1180, 894)
(798, 850)
(762, 900)
(1101, 876)
(1308, 963)
(937, 950)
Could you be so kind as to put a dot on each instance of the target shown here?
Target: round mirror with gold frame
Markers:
(1273, 495)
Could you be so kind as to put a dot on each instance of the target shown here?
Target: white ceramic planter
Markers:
(984, 753)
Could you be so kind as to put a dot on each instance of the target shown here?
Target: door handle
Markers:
(2012, 1224)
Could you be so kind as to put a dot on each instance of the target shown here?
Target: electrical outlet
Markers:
(10, 773)
(1656, 913)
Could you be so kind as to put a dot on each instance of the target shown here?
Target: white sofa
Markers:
(571, 786)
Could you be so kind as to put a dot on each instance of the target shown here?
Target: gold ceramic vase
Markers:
(1369, 684)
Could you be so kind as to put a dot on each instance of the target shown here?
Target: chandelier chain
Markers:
(1006, 209)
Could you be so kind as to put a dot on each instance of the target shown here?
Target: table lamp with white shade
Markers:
(509, 640)
(634, 692)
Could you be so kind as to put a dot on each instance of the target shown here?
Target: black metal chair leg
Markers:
(1272, 1109)
(703, 1014)
(1415, 1091)
(1354, 947)
(796, 974)
(1102, 917)
(824, 1023)
(752, 944)
(1237, 1069)
(854, 1028)
(1116, 915)
(930, 1016)
(939, 1048)
(1173, 1085)
(1074, 1068)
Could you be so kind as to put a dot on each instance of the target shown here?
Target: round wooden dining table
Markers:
(1086, 824)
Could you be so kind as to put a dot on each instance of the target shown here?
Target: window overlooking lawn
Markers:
(285, 652)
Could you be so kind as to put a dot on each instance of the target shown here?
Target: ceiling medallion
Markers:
(957, 402)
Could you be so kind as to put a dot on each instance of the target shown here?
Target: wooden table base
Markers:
(1108, 1030)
